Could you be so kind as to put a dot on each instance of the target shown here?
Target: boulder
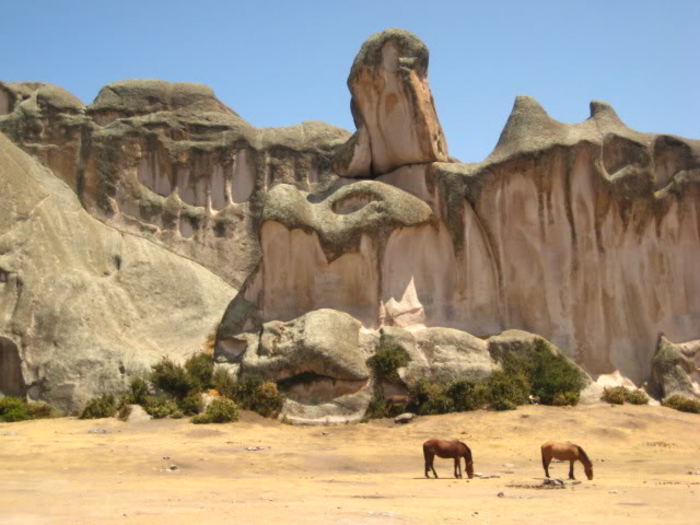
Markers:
(84, 307)
(675, 368)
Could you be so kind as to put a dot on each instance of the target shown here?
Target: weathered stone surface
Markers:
(169, 162)
(675, 368)
(85, 306)
(392, 107)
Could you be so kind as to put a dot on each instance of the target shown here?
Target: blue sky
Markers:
(282, 62)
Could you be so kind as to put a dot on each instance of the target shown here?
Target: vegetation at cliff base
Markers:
(618, 395)
(682, 403)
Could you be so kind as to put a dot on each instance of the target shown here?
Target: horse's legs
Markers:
(458, 468)
(429, 456)
(545, 463)
(571, 469)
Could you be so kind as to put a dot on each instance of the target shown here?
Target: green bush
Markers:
(200, 368)
(138, 391)
(191, 404)
(548, 374)
(614, 395)
(385, 363)
(13, 409)
(430, 398)
(98, 407)
(378, 407)
(636, 397)
(507, 390)
(219, 411)
(224, 382)
(172, 379)
(159, 407)
(682, 403)
(467, 395)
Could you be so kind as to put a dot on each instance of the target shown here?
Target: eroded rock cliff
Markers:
(587, 234)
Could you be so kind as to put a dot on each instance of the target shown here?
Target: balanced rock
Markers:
(392, 107)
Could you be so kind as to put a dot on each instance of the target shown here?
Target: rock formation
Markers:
(83, 307)
(675, 368)
(586, 234)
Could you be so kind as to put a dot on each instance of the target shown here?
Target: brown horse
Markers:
(567, 452)
(448, 449)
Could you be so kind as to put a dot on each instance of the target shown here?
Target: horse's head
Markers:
(589, 471)
(470, 469)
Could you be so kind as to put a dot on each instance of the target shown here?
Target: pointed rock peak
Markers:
(528, 107)
(600, 109)
(527, 126)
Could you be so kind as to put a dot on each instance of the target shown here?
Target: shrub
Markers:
(636, 397)
(467, 395)
(124, 412)
(507, 390)
(200, 368)
(682, 403)
(219, 411)
(224, 382)
(430, 398)
(268, 400)
(13, 409)
(41, 410)
(191, 404)
(614, 395)
(98, 407)
(547, 373)
(245, 390)
(138, 391)
(387, 361)
(159, 407)
(378, 407)
(172, 378)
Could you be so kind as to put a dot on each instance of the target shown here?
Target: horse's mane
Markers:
(584, 455)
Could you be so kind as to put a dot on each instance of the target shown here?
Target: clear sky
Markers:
(277, 63)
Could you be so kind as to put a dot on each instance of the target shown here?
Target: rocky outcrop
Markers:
(169, 162)
(675, 368)
(84, 307)
(587, 234)
(392, 107)
(319, 361)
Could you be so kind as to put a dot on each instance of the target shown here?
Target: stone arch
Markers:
(11, 380)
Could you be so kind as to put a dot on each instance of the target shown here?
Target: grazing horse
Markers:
(567, 452)
(448, 449)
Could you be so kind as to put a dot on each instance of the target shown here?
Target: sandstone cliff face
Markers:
(587, 234)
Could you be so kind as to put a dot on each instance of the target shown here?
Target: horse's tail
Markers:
(426, 451)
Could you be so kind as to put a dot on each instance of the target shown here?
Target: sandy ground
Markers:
(646, 465)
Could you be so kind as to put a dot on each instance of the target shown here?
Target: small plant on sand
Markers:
(42, 410)
(636, 397)
(191, 404)
(614, 395)
(13, 409)
(221, 410)
(160, 406)
(682, 403)
(138, 392)
(98, 407)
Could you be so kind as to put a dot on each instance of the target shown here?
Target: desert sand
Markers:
(68, 471)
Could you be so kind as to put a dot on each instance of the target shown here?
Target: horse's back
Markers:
(560, 450)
